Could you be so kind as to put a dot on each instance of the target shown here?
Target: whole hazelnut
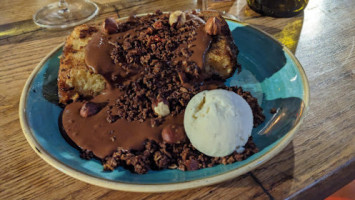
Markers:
(88, 109)
(213, 26)
(173, 134)
(177, 19)
(161, 107)
(110, 26)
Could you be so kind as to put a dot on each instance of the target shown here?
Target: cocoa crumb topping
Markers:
(181, 156)
(156, 73)
(160, 55)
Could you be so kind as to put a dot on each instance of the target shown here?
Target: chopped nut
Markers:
(182, 89)
(149, 30)
(173, 134)
(182, 77)
(110, 26)
(158, 25)
(110, 164)
(177, 19)
(161, 107)
(89, 109)
(192, 164)
(213, 26)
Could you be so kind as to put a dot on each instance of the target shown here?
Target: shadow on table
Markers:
(279, 170)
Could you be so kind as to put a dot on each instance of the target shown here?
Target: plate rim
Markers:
(161, 187)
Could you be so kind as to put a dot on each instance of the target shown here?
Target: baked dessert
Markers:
(127, 84)
(76, 79)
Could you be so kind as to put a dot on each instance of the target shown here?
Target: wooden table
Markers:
(316, 163)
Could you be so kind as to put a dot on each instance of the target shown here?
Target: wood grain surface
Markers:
(316, 163)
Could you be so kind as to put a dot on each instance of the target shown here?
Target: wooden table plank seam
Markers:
(261, 185)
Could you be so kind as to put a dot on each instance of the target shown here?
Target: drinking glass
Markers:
(64, 14)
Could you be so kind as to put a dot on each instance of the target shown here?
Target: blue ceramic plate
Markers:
(269, 71)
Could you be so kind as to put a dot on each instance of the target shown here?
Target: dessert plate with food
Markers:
(163, 101)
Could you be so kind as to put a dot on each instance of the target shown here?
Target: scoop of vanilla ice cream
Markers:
(218, 122)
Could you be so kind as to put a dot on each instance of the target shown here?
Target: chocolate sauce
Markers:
(102, 138)
(98, 58)
(200, 47)
(95, 133)
(97, 55)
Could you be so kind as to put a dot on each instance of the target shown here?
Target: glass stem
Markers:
(62, 3)
(203, 5)
(64, 7)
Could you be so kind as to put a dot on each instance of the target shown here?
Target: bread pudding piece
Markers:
(222, 55)
(76, 79)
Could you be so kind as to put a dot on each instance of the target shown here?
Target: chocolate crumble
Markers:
(152, 68)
